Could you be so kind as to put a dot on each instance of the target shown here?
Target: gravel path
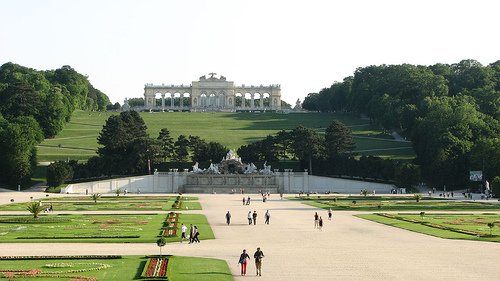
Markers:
(348, 248)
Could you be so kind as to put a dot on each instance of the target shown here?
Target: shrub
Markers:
(58, 172)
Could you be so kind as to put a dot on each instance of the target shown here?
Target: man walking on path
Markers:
(330, 214)
(258, 261)
(244, 201)
(254, 216)
(248, 200)
(249, 217)
(316, 220)
(228, 218)
(267, 216)
(320, 223)
(183, 229)
(191, 234)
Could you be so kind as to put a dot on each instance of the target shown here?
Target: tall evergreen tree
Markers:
(338, 140)
(166, 143)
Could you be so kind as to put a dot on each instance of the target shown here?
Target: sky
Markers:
(302, 45)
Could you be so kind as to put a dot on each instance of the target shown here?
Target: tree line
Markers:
(35, 105)
(451, 113)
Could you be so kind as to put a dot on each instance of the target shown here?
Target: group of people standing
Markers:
(244, 258)
(318, 220)
(193, 233)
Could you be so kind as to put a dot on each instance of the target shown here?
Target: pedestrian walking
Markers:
(254, 217)
(51, 208)
(228, 218)
(267, 216)
(249, 217)
(316, 219)
(244, 257)
(248, 200)
(330, 214)
(183, 229)
(196, 234)
(244, 201)
(191, 233)
(258, 255)
(320, 224)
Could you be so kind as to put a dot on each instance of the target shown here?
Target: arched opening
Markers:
(203, 99)
(266, 100)
(177, 99)
(238, 99)
(247, 99)
(186, 100)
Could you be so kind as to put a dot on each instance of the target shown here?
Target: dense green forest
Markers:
(35, 105)
(450, 112)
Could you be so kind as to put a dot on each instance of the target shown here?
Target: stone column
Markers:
(252, 104)
(181, 101)
(243, 101)
(262, 101)
(162, 102)
(172, 101)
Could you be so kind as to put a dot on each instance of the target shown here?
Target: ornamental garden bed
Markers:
(46, 268)
(387, 203)
(452, 226)
(156, 267)
(100, 228)
(108, 203)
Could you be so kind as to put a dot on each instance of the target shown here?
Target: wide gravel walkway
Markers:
(348, 248)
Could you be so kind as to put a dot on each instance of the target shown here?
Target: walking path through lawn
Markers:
(348, 248)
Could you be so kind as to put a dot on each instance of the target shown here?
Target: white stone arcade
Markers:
(212, 94)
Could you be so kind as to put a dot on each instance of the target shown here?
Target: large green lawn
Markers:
(109, 203)
(126, 268)
(389, 203)
(78, 140)
(106, 228)
(452, 226)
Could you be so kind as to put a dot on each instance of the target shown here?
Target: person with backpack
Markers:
(258, 255)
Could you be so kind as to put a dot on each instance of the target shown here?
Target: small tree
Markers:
(161, 242)
(95, 196)
(58, 172)
(364, 192)
(35, 208)
(118, 191)
(491, 225)
(417, 197)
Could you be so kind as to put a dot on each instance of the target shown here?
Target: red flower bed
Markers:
(156, 267)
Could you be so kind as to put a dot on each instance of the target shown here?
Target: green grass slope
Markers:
(78, 140)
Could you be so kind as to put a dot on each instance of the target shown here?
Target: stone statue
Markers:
(212, 74)
(230, 155)
(223, 78)
(197, 170)
(250, 169)
(266, 170)
(213, 169)
(204, 77)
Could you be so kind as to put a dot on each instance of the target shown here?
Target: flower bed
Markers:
(89, 257)
(79, 237)
(433, 225)
(156, 267)
(170, 232)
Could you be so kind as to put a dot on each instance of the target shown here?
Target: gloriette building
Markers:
(212, 94)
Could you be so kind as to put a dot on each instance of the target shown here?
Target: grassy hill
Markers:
(78, 140)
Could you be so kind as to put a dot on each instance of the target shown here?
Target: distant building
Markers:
(212, 94)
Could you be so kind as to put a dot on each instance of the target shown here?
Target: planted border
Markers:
(156, 267)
